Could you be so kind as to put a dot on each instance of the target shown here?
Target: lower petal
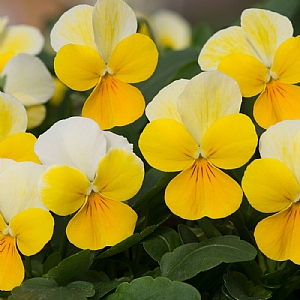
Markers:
(203, 190)
(278, 102)
(12, 269)
(114, 103)
(101, 222)
(278, 236)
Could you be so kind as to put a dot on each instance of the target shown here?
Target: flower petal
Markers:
(33, 228)
(74, 27)
(278, 236)
(134, 59)
(206, 98)
(269, 185)
(36, 115)
(227, 145)
(76, 142)
(278, 102)
(286, 64)
(12, 269)
(114, 103)
(164, 104)
(19, 147)
(120, 175)
(113, 20)
(167, 145)
(116, 141)
(63, 189)
(79, 67)
(101, 222)
(248, 71)
(265, 30)
(203, 190)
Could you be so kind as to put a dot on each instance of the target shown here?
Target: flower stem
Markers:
(208, 228)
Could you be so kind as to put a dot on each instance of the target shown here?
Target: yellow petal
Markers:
(248, 71)
(278, 102)
(167, 145)
(278, 236)
(101, 222)
(3, 224)
(203, 190)
(32, 228)
(19, 147)
(36, 115)
(4, 58)
(226, 41)
(114, 103)
(269, 185)
(63, 189)
(227, 145)
(79, 67)
(286, 64)
(265, 30)
(120, 175)
(12, 269)
(134, 59)
(113, 20)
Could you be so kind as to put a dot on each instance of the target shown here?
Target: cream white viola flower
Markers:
(90, 173)
(25, 223)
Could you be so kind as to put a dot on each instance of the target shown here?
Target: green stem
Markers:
(27, 266)
(208, 228)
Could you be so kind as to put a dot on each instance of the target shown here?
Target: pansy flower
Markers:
(90, 173)
(98, 47)
(263, 57)
(25, 223)
(272, 185)
(196, 128)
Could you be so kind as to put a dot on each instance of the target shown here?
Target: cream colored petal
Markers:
(282, 141)
(116, 141)
(113, 20)
(206, 98)
(3, 23)
(76, 142)
(36, 115)
(227, 41)
(74, 27)
(28, 79)
(265, 30)
(19, 190)
(22, 39)
(164, 104)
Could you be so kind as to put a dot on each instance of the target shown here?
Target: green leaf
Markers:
(162, 240)
(47, 289)
(52, 261)
(201, 33)
(70, 267)
(287, 8)
(147, 288)
(187, 235)
(188, 260)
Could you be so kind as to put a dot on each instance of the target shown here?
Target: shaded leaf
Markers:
(52, 261)
(187, 235)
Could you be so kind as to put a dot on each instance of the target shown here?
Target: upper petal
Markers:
(113, 20)
(36, 115)
(116, 141)
(75, 26)
(206, 98)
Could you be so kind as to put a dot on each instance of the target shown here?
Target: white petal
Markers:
(28, 79)
(113, 20)
(5, 163)
(206, 98)
(76, 142)
(116, 141)
(19, 188)
(164, 104)
(3, 23)
(36, 115)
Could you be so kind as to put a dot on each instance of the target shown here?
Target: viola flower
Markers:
(15, 143)
(25, 224)
(16, 39)
(98, 47)
(90, 173)
(27, 78)
(272, 185)
(196, 128)
(263, 57)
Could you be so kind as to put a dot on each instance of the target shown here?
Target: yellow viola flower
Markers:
(98, 47)
(16, 39)
(196, 128)
(90, 173)
(15, 143)
(263, 57)
(27, 79)
(25, 223)
(272, 185)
